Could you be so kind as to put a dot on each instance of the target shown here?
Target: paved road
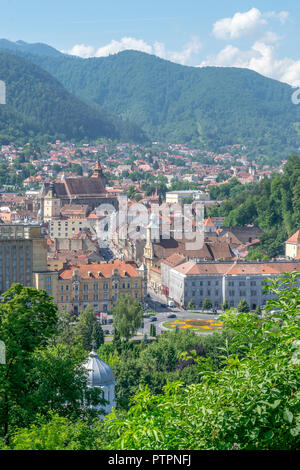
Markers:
(154, 302)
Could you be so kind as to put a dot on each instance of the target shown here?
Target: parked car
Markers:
(110, 320)
(171, 315)
(106, 332)
(171, 303)
(153, 319)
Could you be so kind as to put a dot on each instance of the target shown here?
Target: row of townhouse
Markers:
(97, 284)
(219, 281)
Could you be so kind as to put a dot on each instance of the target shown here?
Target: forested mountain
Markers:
(38, 105)
(208, 107)
(273, 204)
(36, 48)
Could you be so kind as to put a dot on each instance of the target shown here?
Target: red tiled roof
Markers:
(238, 268)
(106, 270)
(294, 238)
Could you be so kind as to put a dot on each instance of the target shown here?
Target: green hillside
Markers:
(35, 48)
(209, 107)
(38, 105)
(273, 204)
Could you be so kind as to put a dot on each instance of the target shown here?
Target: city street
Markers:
(154, 302)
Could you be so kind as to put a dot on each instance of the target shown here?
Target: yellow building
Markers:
(99, 285)
(292, 246)
(23, 253)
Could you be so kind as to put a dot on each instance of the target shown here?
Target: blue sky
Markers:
(262, 35)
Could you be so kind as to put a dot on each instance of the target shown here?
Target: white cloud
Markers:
(81, 50)
(239, 25)
(127, 43)
(243, 24)
(124, 44)
(282, 16)
(261, 58)
(181, 57)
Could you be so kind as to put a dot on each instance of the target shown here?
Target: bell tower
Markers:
(51, 204)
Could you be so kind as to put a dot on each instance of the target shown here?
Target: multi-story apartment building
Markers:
(98, 284)
(23, 253)
(220, 281)
(66, 228)
(177, 197)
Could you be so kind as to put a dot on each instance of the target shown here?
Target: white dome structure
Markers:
(100, 375)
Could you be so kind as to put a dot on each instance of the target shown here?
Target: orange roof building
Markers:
(99, 285)
(292, 246)
(220, 281)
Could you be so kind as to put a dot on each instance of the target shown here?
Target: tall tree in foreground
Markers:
(128, 316)
(39, 376)
(88, 331)
(28, 319)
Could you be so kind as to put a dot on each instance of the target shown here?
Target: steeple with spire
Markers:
(98, 173)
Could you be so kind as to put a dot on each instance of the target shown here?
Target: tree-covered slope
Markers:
(36, 48)
(39, 105)
(273, 204)
(211, 106)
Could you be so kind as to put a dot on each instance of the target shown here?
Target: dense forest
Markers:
(273, 204)
(38, 105)
(207, 107)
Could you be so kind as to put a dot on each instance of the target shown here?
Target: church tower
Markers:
(152, 234)
(51, 205)
(98, 173)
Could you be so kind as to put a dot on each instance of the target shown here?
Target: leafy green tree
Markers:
(258, 311)
(152, 330)
(128, 316)
(243, 307)
(65, 329)
(207, 304)
(191, 304)
(225, 305)
(255, 254)
(88, 331)
(117, 343)
(28, 319)
(59, 433)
